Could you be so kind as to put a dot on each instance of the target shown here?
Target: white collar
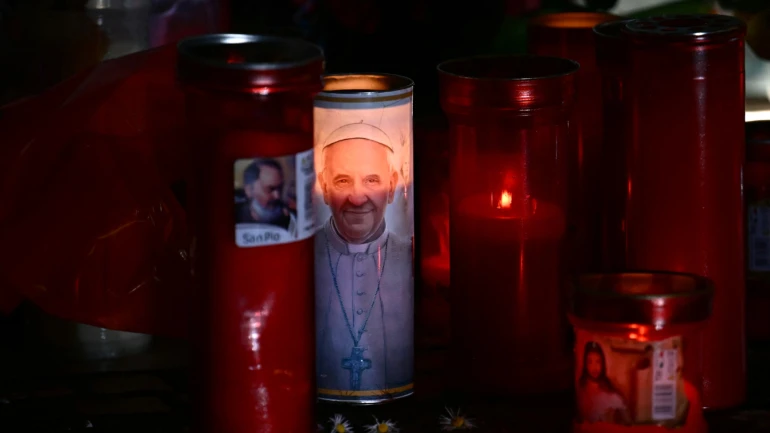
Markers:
(343, 247)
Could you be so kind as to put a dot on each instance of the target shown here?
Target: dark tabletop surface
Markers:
(148, 393)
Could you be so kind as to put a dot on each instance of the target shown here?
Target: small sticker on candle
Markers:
(664, 384)
(273, 199)
(631, 380)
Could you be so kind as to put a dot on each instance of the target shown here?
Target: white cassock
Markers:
(383, 359)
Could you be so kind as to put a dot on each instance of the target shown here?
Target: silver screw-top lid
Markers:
(686, 26)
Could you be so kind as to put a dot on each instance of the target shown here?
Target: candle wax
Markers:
(509, 325)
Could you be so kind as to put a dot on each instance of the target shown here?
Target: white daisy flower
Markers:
(455, 420)
(382, 427)
(340, 424)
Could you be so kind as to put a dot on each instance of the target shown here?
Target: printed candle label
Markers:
(364, 251)
(624, 381)
(759, 237)
(274, 199)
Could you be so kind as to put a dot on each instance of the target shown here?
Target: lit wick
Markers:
(505, 200)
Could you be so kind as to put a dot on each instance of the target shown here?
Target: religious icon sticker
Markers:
(631, 382)
(273, 199)
(364, 245)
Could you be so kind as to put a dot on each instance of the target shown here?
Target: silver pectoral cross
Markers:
(356, 363)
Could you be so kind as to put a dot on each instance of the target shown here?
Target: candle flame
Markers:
(505, 200)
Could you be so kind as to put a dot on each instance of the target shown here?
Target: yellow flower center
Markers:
(340, 428)
(382, 428)
(458, 422)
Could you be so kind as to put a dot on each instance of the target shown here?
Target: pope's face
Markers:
(358, 183)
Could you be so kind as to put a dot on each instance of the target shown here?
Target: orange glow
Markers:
(572, 20)
(505, 200)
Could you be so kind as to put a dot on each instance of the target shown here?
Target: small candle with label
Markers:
(638, 351)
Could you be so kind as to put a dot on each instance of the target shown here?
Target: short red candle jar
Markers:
(638, 351)
(508, 118)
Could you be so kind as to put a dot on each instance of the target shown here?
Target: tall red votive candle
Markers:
(249, 103)
(639, 351)
(611, 56)
(570, 35)
(432, 249)
(685, 147)
(508, 134)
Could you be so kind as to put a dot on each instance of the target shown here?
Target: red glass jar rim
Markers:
(653, 298)
(611, 29)
(513, 82)
(695, 29)
(508, 68)
(610, 43)
(251, 63)
(571, 20)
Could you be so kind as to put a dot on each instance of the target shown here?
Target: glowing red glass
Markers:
(248, 97)
(432, 210)
(570, 35)
(611, 60)
(508, 120)
(685, 152)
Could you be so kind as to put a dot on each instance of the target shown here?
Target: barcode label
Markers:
(664, 385)
(759, 238)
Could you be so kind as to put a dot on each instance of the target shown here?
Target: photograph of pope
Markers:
(364, 281)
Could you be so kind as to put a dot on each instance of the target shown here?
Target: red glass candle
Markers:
(685, 147)
(756, 178)
(570, 35)
(638, 351)
(610, 59)
(432, 208)
(508, 133)
(249, 103)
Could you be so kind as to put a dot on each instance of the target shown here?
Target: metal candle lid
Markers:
(693, 29)
(652, 298)
(249, 63)
(363, 90)
(518, 82)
